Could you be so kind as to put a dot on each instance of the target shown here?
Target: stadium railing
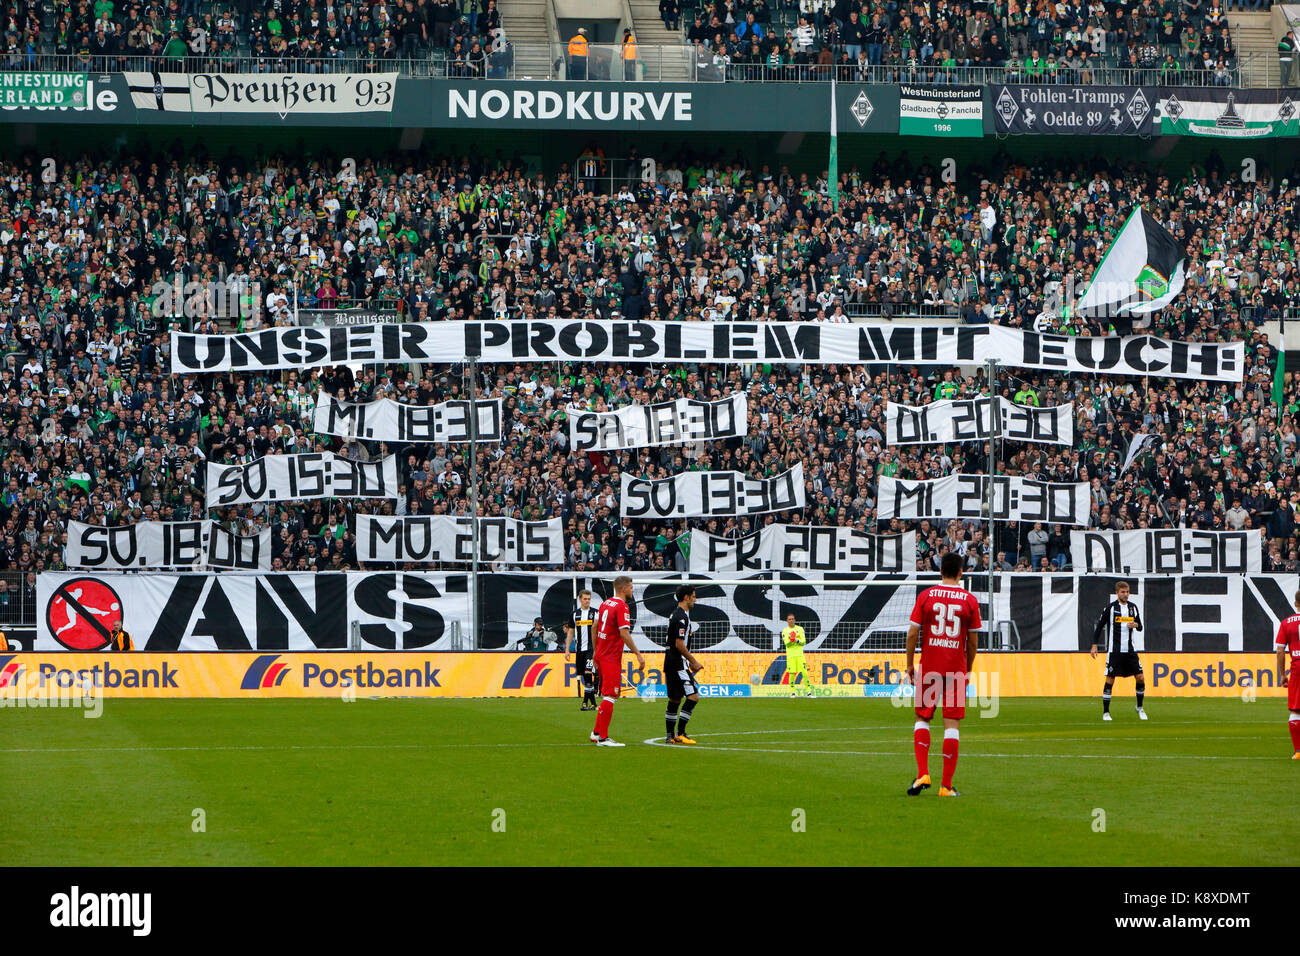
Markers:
(604, 63)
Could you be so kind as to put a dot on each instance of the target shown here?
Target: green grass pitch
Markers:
(386, 782)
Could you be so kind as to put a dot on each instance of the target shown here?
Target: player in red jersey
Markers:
(1288, 645)
(613, 633)
(948, 615)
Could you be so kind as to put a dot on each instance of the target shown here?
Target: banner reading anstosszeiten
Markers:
(1059, 109)
(941, 110)
(727, 343)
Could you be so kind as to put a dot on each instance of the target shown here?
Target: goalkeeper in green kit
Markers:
(792, 636)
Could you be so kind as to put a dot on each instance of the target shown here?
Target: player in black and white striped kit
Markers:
(1118, 629)
(581, 628)
(680, 668)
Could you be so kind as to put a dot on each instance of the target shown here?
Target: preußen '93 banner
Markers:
(269, 94)
(387, 420)
(726, 343)
(941, 110)
(27, 90)
(1064, 110)
(1222, 113)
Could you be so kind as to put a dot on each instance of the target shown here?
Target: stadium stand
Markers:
(452, 238)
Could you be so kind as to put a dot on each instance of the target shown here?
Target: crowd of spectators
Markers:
(312, 36)
(1029, 41)
(94, 428)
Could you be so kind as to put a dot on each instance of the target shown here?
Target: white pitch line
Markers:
(73, 750)
(659, 742)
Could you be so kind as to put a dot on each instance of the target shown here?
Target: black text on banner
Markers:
(806, 549)
(387, 420)
(420, 539)
(965, 497)
(816, 343)
(972, 419)
(709, 494)
(300, 477)
(665, 423)
(165, 544)
(1168, 551)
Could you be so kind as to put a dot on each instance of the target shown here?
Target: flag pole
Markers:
(833, 162)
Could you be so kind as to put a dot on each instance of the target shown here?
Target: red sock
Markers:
(603, 715)
(921, 744)
(1294, 724)
(950, 740)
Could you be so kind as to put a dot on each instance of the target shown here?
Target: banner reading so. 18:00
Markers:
(729, 343)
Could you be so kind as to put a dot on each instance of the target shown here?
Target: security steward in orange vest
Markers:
(119, 640)
(578, 55)
(629, 55)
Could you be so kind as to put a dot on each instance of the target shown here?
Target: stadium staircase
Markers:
(1256, 47)
(530, 27)
(670, 59)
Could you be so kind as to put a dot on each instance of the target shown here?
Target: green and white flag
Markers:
(1279, 379)
(1226, 113)
(833, 162)
(1141, 272)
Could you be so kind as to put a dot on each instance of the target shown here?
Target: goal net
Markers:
(748, 615)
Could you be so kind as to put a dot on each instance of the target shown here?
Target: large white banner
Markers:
(165, 544)
(274, 94)
(431, 538)
(387, 420)
(853, 343)
(396, 610)
(1168, 551)
(806, 549)
(966, 496)
(709, 494)
(972, 419)
(665, 423)
(319, 474)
